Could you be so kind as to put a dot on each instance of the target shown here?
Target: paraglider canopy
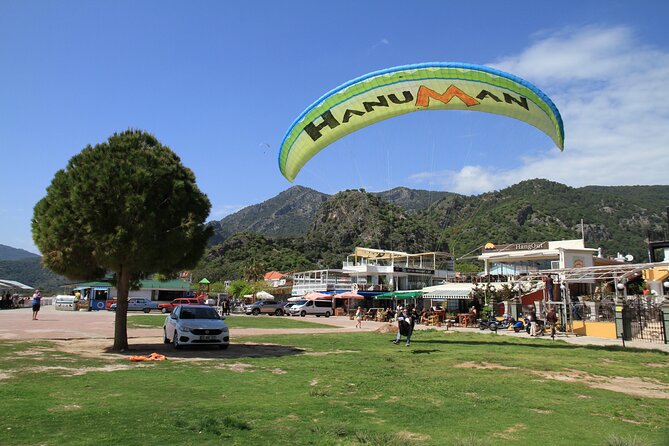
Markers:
(431, 86)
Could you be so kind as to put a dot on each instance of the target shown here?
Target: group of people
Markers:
(9, 300)
(551, 320)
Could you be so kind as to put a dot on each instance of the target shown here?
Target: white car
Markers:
(195, 325)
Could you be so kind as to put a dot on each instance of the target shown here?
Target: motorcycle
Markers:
(509, 322)
(491, 324)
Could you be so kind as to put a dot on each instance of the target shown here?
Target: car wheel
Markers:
(255, 312)
(223, 346)
(278, 312)
(163, 310)
(303, 313)
(147, 310)
(175, 341)
(165, 340)
(327, 314)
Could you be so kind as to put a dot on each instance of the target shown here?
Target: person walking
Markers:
(533, 321)
(37, 300)
(405, 324)
(551, 320)
(359, 314)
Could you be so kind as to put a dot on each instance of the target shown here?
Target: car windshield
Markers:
(300, 302)
(199, 313)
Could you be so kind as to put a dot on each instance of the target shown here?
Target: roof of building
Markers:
(273, 275)
(150, 284)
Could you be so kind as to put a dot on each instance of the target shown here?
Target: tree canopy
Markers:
(126, 205)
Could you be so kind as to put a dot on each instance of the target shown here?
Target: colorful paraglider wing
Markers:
(396, 91)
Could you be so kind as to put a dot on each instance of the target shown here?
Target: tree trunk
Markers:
(121, 323)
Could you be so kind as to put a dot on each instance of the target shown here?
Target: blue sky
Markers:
(221, 82)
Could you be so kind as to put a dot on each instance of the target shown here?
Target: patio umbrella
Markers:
(349, 295)
(315, 296)
(264, 295)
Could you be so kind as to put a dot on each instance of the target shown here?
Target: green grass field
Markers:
(340, 389)
(234, 321)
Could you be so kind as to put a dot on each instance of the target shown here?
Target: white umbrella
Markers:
(264, 295)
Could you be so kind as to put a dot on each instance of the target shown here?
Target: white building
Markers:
(376, 271)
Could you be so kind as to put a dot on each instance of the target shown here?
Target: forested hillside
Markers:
(30, 272)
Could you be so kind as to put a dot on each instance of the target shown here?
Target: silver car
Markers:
(195, 325)
(138, 304)
(270, 307)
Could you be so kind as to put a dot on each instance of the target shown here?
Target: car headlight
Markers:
(186, 329)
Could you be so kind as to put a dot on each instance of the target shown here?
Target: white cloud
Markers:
(613, 95)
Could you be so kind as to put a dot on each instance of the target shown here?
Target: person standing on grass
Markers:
(405, 324)
(358, 317)
(37, 300)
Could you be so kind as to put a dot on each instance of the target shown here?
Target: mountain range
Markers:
(302, 229)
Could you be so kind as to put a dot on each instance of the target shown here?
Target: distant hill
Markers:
(9, 253)
(289, 214)
(614, 218)
(30, 272)
(414, 200)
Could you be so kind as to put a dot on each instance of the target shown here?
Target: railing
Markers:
(593, 311)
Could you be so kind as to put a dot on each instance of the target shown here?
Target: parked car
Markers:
(317, 307)
(168, 307)
(138, 304)
(265, 306)
(195, 325)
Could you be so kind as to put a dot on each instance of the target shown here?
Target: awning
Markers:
(449, 291)
(13, 284)
(400, 295)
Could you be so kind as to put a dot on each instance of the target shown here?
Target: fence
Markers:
(642, 320)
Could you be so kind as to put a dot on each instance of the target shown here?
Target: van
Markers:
(316, 307)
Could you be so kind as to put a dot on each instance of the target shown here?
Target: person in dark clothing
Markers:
(406, 320)
(551, 320)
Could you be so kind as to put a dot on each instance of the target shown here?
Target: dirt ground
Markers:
(635, 386)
